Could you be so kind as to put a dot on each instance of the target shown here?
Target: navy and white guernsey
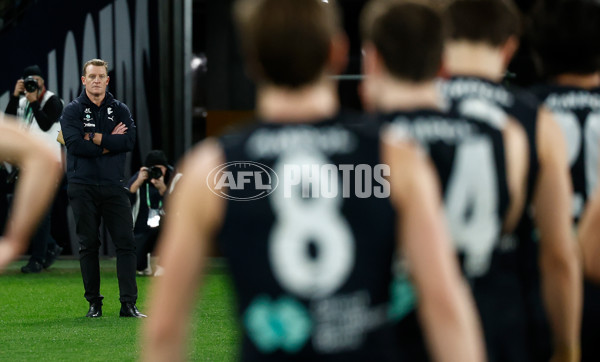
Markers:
(312, 264)
(469, 157)
(478, 97)
(518, 274)
(462, 93)
(577, 111)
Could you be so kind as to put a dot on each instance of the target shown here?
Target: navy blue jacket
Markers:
(85, 162)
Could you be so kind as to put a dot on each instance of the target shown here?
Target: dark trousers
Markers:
(42, 240)
(145, 241)
(90, 203)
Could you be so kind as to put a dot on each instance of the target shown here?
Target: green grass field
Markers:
(42, 318)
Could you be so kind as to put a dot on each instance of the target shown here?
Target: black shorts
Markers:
(590, 325)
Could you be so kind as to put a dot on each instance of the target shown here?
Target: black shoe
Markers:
(95, 310)
(51, 256)
(130, 310)
(32, 267)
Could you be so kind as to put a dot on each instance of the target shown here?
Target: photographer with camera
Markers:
(148, 188)
(38, 110)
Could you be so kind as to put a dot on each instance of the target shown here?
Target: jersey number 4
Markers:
(471, 203)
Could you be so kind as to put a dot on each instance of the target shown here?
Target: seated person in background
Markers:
(148, 187)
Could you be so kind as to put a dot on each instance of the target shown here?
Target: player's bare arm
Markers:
(446, 306)
(195, 214)
(38, 179)
(559, 262)
(589, 239)
(517, 164)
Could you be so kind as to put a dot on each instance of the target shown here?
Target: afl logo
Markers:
(242, 180)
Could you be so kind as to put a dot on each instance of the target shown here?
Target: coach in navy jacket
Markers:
(98, 131)
(101, 162)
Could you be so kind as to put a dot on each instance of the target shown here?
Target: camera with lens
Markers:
(154, 172)
(31, 84)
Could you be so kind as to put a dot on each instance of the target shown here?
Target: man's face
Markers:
(95, 80)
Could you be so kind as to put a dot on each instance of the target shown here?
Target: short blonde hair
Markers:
(96, 62)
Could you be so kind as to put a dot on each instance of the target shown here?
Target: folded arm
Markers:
(72, 129)
(117, 142)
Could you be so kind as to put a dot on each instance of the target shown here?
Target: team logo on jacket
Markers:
(242, 180)
(109, 110)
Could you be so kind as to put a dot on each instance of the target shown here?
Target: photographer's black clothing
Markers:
(90, 203)
(46, 241)
(85, 162)
(45, 116)
(145, 192)
(147, 197)
(96, 189)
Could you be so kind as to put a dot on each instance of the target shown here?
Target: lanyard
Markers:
(29, 109)
(28, 114)
(148, 198)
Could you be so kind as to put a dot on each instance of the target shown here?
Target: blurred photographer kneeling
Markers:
(38, 110)
(148, 188)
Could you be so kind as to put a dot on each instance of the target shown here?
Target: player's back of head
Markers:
(490, 22)
(287, 42)
(409, 36)
(565, 36)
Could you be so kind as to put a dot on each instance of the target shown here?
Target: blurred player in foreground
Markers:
(483, 39)
(38, 179)
(566, 40)
(481, 159)
(311, 262)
